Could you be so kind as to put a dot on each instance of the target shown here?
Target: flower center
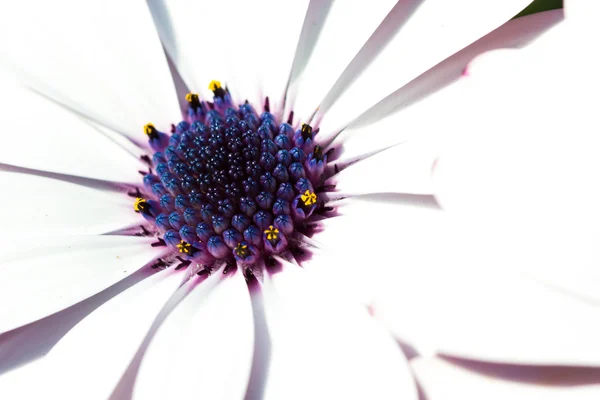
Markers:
(230, 185)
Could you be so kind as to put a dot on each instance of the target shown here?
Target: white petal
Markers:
(442, 284)
(517, 267)
(365, 225)
(36, 207)
(545, 189)
(17, 383)
(371, 218)
(404, 168)
(249, 46)
(356, 248)
(130, 146)
(102, 59)
(333, 349)
(444, 380)
(42, 277)
(452, 288)
(204, 347)
(40, 134)
(435, 31)
(581, 11)
(89, 361)
(429, 105)
(345, 271)
(7, 78)
(348, 26)
(32, 342)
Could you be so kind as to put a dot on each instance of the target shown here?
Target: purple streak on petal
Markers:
(32, 341)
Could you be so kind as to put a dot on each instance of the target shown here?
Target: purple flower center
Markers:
(230, 185)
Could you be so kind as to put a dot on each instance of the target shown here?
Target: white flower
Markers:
(70, 151)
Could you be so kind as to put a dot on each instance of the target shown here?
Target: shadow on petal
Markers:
(530, 374)
(388, 28)
(124, 389)
(262, 344)
(30, 342)
(98, 184)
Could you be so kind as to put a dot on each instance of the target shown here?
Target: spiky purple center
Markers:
(230, 185)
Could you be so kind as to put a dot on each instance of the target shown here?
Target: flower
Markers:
(101, 78)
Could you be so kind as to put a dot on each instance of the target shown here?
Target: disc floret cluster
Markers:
(228, 184)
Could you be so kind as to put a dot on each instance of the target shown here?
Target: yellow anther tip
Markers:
(190, 97)
(272, 233)
(184, 247)
(214, 85)
(137, 204)
(308, 198)
(149, 128)
(241, 250)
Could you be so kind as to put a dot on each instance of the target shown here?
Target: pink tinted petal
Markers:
(419, 109)
(443, 28)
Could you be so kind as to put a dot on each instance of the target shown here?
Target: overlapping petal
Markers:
(204, 347)
(442, 28)
(43, 276)
(337, 351)
(103, 60)
(249, 46)
(348, 25)
(444, 379)
(90, 360)
(39, 207)
(422, 108)
(544, 207)
(444, 285)
(42, 135)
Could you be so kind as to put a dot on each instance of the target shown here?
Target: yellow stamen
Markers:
(149, 129)
(308, 198)
(191, 97)
(184, 247)
(214, 85)
(272, 233)
(242, 250)
(140, 204)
